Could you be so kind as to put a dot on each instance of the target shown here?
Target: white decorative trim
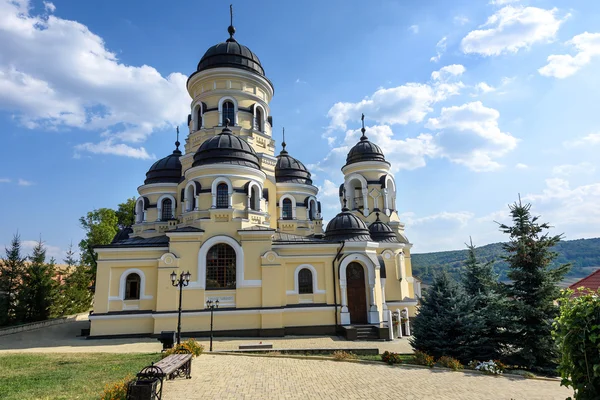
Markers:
(124, 275)
(369, 266)
(314, 279)
(120, 316)
(200, 282)
(364, 188)
(189, 196)
(293, 200)
(227, 72)
(140, 212)
(312, 200)
(252, 184)
(127, 249)
(263, 119)
(250, 171)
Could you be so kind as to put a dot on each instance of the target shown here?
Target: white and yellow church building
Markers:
(246, 223)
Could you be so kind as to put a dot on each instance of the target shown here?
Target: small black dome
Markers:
(165, 170)
(347, 226)
(364, 150)
(226, 148)
(288, 169)
(382, 232)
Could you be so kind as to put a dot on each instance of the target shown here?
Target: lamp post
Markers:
(184, 280)
(211, 305)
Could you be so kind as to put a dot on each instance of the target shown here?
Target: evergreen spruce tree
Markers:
(77, 296)
(489, 306)
(533, 290)
(39, 288)
(11, 270)
(445, 323)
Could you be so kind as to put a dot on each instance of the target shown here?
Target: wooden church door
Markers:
(357, 298)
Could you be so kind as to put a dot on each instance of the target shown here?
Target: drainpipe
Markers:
(337, 257)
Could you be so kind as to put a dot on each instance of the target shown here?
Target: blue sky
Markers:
(472, 101)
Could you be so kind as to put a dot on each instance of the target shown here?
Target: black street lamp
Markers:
(184, 280)
(211, 305)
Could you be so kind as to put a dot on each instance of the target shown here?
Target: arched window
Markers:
(167, 210)
(312, 215)
(222, 195)
(258, 119)
(286, 211)
(139, 211)
(190, 199)
(305, 281)
(254, 198)
(132, 287)
(199, 119)
(228, 111)
(220, 267)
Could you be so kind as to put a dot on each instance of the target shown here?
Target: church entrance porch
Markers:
(357, 297)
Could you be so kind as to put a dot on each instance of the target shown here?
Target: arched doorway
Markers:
(357, 297)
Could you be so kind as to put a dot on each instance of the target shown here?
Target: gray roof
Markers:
(289, 238)
(186, 229)
(157, 241)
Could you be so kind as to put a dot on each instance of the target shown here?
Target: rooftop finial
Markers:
(227, 122)
(283, 150)
(377, 214)
(231, 28)
(177, 143)
(345, 208)
(363, 137)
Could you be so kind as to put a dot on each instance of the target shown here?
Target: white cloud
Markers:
(51, 251)
(483, 87)
(588, 140)
(5, 180)
(564, 65)
(50, 7)
(511, 29)
(521, 166)
(461, 218)
(469, 134)
(460, 20)
(414, 29)
(572, 169)
(119, 149)
(448, 71)
(403, 104)
(440, 49)
(55, 73)
(23, 182)
(502, 2)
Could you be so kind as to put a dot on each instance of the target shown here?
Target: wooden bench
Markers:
(149, 380)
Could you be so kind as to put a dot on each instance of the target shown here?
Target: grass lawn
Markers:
(65, 376)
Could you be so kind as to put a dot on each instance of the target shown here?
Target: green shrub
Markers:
(577, 333)
(391, 358)
(450, 362)
(339, 355)
(422, 358)
(191, 345)
(117, 390)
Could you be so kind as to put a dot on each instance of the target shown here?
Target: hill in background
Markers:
(583, 254)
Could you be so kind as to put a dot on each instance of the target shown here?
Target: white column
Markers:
(214, 200)
(388, 317)
(144, 216)
(383, 303)
(407, 323)
(374, 310)
(229, 202)
(399, 329)
(159, 215)
(344, 314)
(386, 206)
(197, 201)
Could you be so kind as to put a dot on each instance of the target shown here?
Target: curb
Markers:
(381, 363)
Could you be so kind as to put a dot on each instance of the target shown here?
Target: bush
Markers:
(342, 355)
(391, 358)
(577, 333)
(450, 362)
(117, 390)
(422, 358)
(491, 367)
(191, 345)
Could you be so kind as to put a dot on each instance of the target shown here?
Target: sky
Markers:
(473, 102)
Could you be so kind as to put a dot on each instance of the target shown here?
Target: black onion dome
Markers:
(382, 232)
(365, 150)
(165, 170)
(288, 169)
(230, 54)
(347, 226)
(226, 148)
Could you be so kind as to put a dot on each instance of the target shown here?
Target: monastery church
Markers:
(246, 223)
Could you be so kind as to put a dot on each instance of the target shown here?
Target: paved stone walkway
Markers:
(242, 377)
(63, 339)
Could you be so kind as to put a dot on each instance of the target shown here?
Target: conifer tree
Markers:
(489, 305)
(39, 288)
(533, 290)
(445, 323)
(11, 270)
(77, 296)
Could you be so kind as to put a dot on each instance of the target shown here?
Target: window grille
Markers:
(220, 267)
(167, 210)
(305, 281)
(287, 209)
(132, 287)
(222, 195)
(228, 111)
